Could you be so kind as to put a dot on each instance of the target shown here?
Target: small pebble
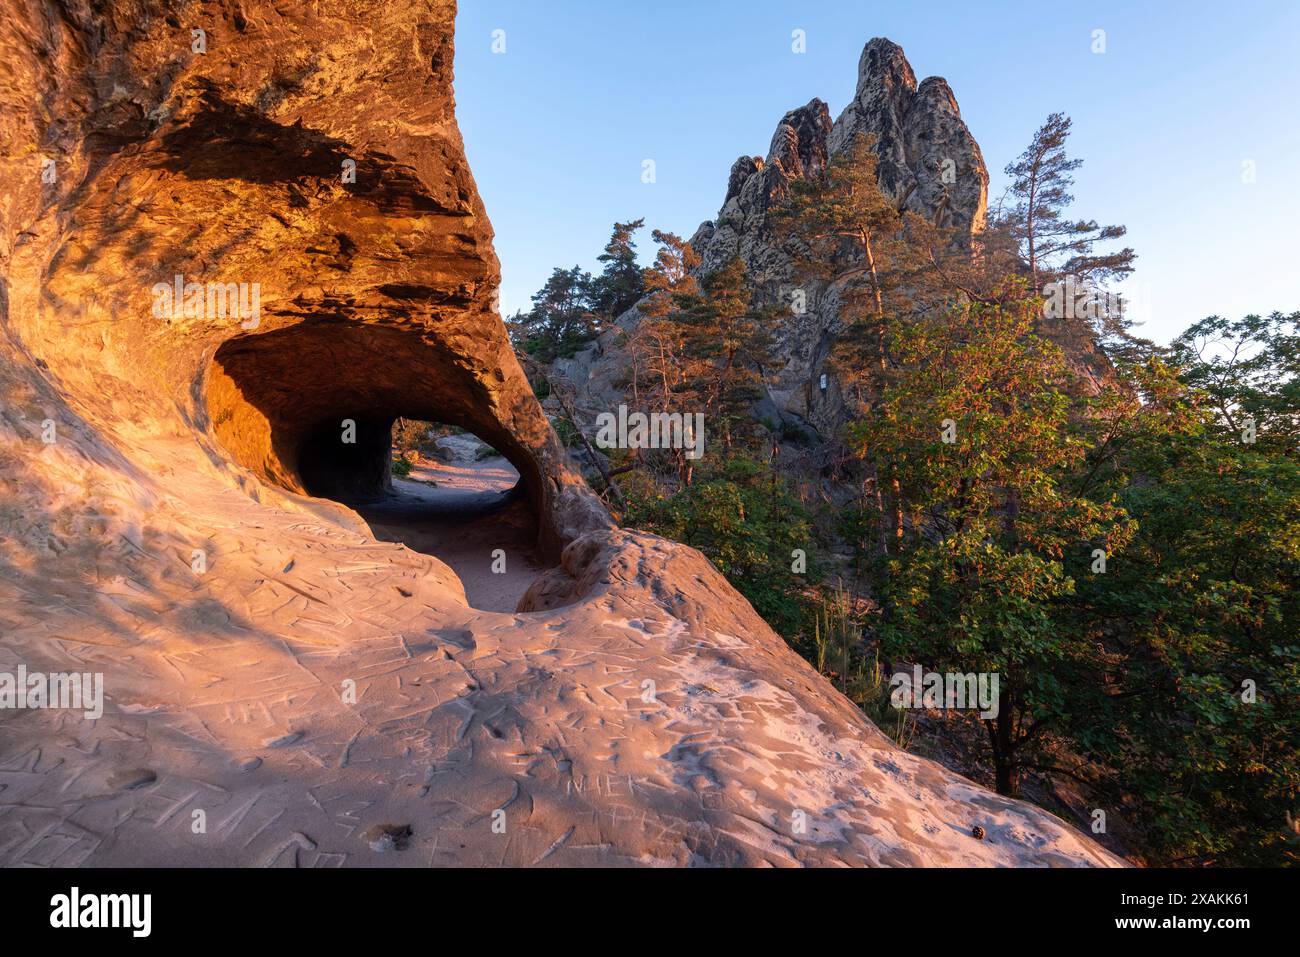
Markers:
(387, 837)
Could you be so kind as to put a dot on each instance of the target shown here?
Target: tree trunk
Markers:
(882, 533)
(897, 517)
(1001, 730)
(895, 509)
(615, 492)
(1008, 781)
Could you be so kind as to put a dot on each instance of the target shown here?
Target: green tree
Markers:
(1053, 244)
(1056, 248)
(672, 276)
(1198, 617)
(561, 320)
(732, 514)
(848, 235)
(728, 344)
(620, 283)
(977, 425)
(1249, 370)
(850, 239)
(656, 346)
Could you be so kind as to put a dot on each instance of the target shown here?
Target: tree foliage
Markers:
(1121, 549)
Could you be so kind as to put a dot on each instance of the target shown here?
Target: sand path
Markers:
(462, 512)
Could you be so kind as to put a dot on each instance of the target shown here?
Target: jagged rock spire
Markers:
(929, 163)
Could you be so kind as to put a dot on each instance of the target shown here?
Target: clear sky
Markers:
(1188, 123)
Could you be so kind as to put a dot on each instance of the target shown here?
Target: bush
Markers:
(567, 432)
(744, 518)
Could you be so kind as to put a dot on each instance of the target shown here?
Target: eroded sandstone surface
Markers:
(280, 688)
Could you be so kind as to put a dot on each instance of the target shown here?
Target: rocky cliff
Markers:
(928, 163)
(228, 229)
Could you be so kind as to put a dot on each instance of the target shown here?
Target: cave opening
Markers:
(446, 492)
(336, 412)
(346, 460)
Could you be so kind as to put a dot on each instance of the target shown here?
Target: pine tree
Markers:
(561, 320)
(621, 283)
(655, 345)
(728, 344)
(1055, 248)
(672, 274)
(848, 234)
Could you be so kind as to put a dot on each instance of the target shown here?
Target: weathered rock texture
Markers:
(228, 166)
(265, 660)
(928, 163)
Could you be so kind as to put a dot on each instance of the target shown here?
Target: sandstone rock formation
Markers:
(928, 163)
(268, 666)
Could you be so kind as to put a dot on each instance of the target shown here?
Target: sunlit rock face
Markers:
(262, 224)
(928, 163)
(269, 668)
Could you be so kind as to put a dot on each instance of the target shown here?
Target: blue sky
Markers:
(557, 127)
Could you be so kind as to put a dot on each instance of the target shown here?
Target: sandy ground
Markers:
(462, 512)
